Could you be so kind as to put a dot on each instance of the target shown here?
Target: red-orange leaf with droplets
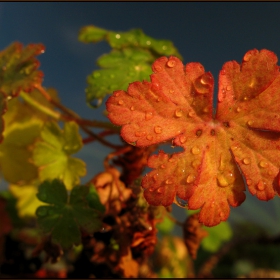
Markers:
(241, 140)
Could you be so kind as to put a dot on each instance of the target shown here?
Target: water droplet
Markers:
(158, 129)
(151, 189)
(263, 164)
(270, 172)
(95, 103)
(42, 211)
(171, 63)
(195, 150)
(247, 56)
(228, 88)
(223, 72)
(183, 139)
(249, 123)
(158, 68)
(171, 160)
(222, 182)
(132, 108)
(149, 137)
(178, 113)
(148, 43)
(148, 115)
(171, 91)
(206, 79)
(158, 99)
(221, 214)
(168, 182)
(120, 102)
(160, 190)
(261, 185)
(155, 177)
(118, 36)
(139, 133)
(196, 163)
(162, 166)
(249, 182)
(238, 109)
(180, 202)
(191, 114)
(245, 98)
(190, 178)
(205, 110)
(246, 161)
(117, 93)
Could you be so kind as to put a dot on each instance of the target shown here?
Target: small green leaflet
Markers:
(52, 154)
(66, 216)
(130, 59)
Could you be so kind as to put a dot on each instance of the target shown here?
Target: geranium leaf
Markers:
(52, 154)
(132, 54)
(241, 140)
(19, 68)
(63, 219)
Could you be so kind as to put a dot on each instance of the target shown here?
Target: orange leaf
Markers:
(241, 140)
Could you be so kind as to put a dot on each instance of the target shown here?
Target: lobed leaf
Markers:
(52, 154)
(62, 219)
(223, 151)
(130, 59)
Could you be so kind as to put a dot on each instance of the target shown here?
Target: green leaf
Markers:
(130, 59)
(19, 68)
(166, 226)
(52, 154)
(216, 236)
(93, 199)
(15, 154)
(66, 216)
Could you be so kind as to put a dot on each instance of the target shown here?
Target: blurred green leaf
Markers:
(93, 199)
(66, 215)
(166, 226)
(132, 55)
(52, 154)
(217, 235)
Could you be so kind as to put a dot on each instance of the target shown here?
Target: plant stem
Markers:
(75, 117)
(48, 111)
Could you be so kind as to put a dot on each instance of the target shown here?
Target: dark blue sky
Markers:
(209, 33)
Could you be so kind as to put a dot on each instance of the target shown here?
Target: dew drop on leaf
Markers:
(120, 102)
(221, 214)
(260, 186)
(171, 63)
(238, 109)
(247, 56)
(160, 190)
(249, 182)
(155, 177)
(158, 68)
(183, 139)
(151, 189)
(246, 161)
(228, 88)
(149, 137)
(148, 116)
(178, 113)
(191, 114)
(162, 166)
(168, 182)
(190, 178)
(132, 108)
(180, 202)
(117, 93)
(195, 150)
(171, 160)
(263, 164)
(250, 123)
(95, 103)
(158, 129)
(222, 182)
